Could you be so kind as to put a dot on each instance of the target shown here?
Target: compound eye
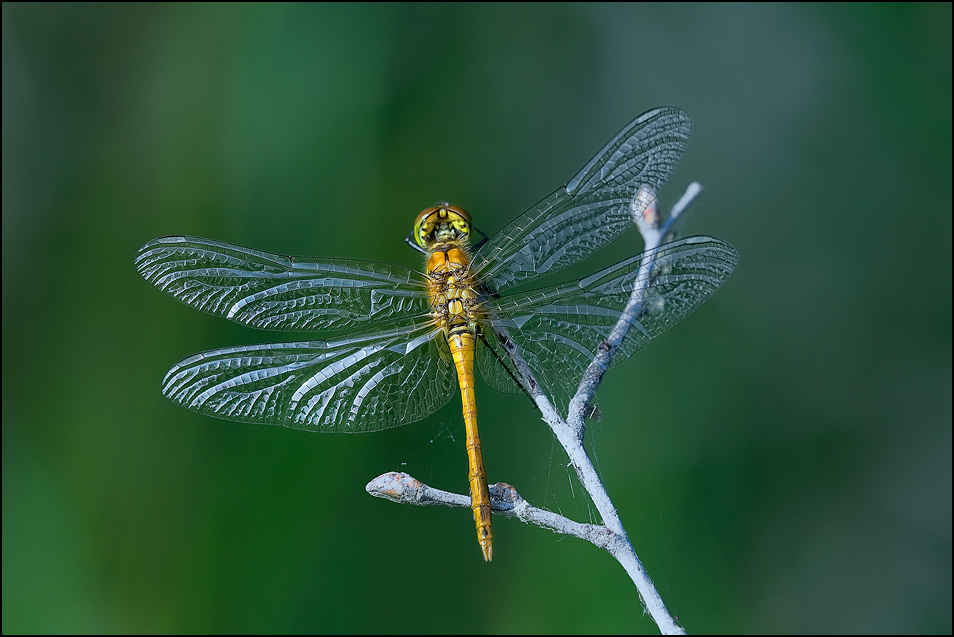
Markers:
(423, 225)
(422, 232)
(442, 215)
(460, 212)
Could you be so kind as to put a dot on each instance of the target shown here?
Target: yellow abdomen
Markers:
(454, 307)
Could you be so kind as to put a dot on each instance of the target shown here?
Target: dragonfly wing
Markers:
(493, 360)
(557, 331)
(359, 384)
(275, 292)
(594, 208)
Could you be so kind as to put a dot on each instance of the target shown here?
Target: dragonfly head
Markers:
(441, 224)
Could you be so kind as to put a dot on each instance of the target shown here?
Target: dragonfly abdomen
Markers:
(462, 344)
(454, 307)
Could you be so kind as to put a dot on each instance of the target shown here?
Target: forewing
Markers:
(348, 385)
(594, 208)
(557, 330)
(274, 292)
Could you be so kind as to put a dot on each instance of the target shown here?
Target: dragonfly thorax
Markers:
(451, 286)
(441, 224)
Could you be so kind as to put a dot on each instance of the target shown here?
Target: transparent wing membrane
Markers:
(274, 292)
(390, 364)
(557, 330)
(350, 385)
(593, 208)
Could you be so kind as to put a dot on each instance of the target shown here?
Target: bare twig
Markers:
(504, 499)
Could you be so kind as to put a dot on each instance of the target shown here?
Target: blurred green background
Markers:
(781, 460)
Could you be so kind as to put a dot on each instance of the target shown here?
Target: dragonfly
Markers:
(398, 343)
